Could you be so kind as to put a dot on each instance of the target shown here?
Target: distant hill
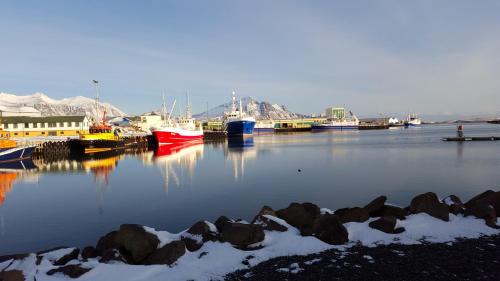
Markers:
(39, 102)
(258, 109)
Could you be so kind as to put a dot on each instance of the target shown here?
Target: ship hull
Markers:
(240, 128)
(95, 146)
(176, 136)
(263, 130)
(16, 153)
(333, 127)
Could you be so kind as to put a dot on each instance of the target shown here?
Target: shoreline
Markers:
(228, 248)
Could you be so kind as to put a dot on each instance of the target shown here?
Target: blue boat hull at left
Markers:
(16, 154)
(240, 128)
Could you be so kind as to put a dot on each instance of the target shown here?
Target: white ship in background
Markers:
(412, 120)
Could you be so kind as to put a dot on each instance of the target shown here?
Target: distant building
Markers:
(23, 126)
(335, 113)
(146, 122)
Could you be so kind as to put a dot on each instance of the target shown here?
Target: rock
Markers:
(12, 275)
(301, 216)
(384, 224)
(429, 203)
(89, 252)
(73, 270)
(457, 209)
(266, 210)
(399, 230)
(355, 214)
(167, 254)
(113, 255)
(222, 222)
(452, 199)
(107, 242)
(483, 210)
(65, 259)
(491, 197)
(329, 229)
(135, 240)
(242, 235)
(389, 210)
(269, 224)
(13, 257)
(197, 234)
(375, 205)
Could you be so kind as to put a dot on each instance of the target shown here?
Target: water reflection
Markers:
(174, 159)
(238, 151)
(11, 172)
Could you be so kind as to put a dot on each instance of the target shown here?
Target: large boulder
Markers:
(89, 252)
(266, 210)
(355, 214)
(429, 203)
(12, 275)
(483, 210)
(132, 240)
(329, 229)
(386, 224)
(268, 223)
(390, 210)
(222, 222)
(72, 271)
(167, 254)
(455, 204)
(491, 197)
(242, 235)
(301, 216)
(198, 234)
(375, 205)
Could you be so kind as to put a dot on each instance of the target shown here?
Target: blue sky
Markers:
(432, 57)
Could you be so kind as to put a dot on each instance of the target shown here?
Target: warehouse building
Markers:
(23, 126)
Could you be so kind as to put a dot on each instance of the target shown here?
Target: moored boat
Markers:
(10, 151)
(342, 122)
(412, 120)
(184, 129)
(236, 122)
(264, 127)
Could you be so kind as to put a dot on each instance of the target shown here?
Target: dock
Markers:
(460, 139)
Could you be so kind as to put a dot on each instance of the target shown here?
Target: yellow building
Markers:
(23, 126)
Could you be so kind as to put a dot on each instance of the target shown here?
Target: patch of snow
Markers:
(448, 201)
(165, 237)
(313, 261)
(57, 254)
(211, 226)
(325, 211)
(369, 258)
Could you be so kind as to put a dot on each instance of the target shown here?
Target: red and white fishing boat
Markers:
(184, 129)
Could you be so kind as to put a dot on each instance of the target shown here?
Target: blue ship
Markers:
(16, 153)
(236, 123)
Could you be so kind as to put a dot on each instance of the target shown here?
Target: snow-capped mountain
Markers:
(46, 106)
(260, 110)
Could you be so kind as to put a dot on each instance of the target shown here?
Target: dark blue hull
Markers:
(264, 130)
(240, 128)
(16, 154)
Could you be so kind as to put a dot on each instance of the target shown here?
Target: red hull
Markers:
(166, 137)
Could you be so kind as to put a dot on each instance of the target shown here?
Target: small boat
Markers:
(236, 123)
(11, 152)
(184, 129)
(264, 127)
(412, 121)
(350, 122)
(496, 121)
(100, 138)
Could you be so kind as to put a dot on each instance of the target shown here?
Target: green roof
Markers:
(46, 119)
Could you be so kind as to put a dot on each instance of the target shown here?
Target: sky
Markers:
(373, 57)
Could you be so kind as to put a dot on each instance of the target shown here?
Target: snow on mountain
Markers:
(260, 110)
(51, 107)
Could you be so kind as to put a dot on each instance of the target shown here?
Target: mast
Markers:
(164, 110)
(233, 106)
(96, 83)
(188, 106)
(241, 109)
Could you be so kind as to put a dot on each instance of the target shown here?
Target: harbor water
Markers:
(74, 202)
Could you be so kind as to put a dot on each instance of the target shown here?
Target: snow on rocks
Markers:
(209, 251)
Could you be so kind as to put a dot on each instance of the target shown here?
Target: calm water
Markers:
(76, 202)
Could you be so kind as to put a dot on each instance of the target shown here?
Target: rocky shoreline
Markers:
(300, 233)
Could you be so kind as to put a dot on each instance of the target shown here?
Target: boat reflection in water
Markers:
(11, 172)
(101, 167)
(238, 151)
(177, 158)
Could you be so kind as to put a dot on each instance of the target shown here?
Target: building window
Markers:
(59, 124)
(43, 125)
(15, 126)
(26, 125)
(35, 125)
(52, 124)
(77, 124)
